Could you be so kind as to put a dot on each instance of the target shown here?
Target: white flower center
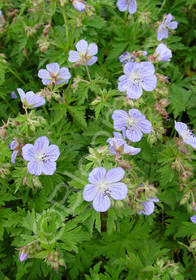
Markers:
(135, 78)
(42, 157)
(132, 122)
(104, 188)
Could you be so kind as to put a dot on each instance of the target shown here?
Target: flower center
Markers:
(42, 157)
(134, 78)
(132, 122)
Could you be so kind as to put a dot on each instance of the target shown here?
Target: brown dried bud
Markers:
(124, 164)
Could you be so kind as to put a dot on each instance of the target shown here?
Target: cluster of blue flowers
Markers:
(138, 76)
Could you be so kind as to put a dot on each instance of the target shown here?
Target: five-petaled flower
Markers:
(54, 74)
(126, 57)
(104, 185)
(193, 218)
(123, 5)
(148, 206)
(137, 76)
(84, 54)
(30, 99)
(41, 156)
(79, 5)
(15, 147)
(118, 145)
(186, 134)
(167, 24)
(162, 53)
(132, 124)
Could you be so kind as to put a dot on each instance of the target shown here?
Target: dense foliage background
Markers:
(47, 215)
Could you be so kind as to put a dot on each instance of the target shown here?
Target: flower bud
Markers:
(23, 254)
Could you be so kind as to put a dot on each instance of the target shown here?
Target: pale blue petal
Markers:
(153, 199)
(46, 81)
(145, 126)
(41, 144)
(129, 150)
(96, 175)
(79, 6)
(74, 56)
(23, 256)
(193, 219)
(101, 202)
(44, 74)
(121, 119)
(53, 68)
(134, 134)
(13, 145)
(28, 152)
(62, 81)
(136, 114)
(118, 135)
(162, 33)
(181, 128)
(123, 83)
(82, 46)
(114, 175)
(134, 91)
(122, 5)
(146, 68)
(130, 67)
(168, 19)
(132, 7)
(35, 167)
(89, 192)
(148, 207)
(14, 154)
(49, 167)
(91, 60)
(64, 73)
(53, 152)
(173, 25)
(22, 94)
(149, 83)
(118, 191)
(92, 49)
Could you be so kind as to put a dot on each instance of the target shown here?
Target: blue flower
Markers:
(137, 76)
(148, 206)
(15, 147)
(79, 5)
(162, 53)
(30, 99)
(103, 185)
(13, 95)
(167, 24)
(186, 134)
(84, 54)
(123, 5)
(118, 145)
(23, 254)
(126, 57)
(54, 74)
(193, 218)
(41, 156)
(133, 125)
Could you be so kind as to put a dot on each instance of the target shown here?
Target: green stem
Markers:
(89, 76)
(16, 75)
(163, 4)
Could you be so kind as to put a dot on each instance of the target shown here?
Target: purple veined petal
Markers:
(64, 73)
(13, 145)
(79, 6)
(162, 33)
(101, 202)
(49, 167)
(134, 91)
(146, 68)
(53, 68)
(121, 119)
(13, 158)
(153, 199)
(132, 6)
(172, 25)
(129, 150)
(91, 60)
(53, 152)
(30, 97)
(130, 67)
(149, 83)
(43, 74)
(136, 114)
(134, 134)
(35, 167)
(96, 175)
(122, 5)
(28, 152)
(123, 83)
(181, 127)
(46, 81)
(118, 191)
(193, 219)
(118, 135)
(168, 19)
(23, 256)
(41, 144)
(112, 151)
(74, 56)
(22, 94)
(89, 192)
(39, 101)
(82, 46)
(145, 126)
(191, 142)
(148, 207)
(61, 82)
(92, 49)
(162, 53)
(114, 175)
